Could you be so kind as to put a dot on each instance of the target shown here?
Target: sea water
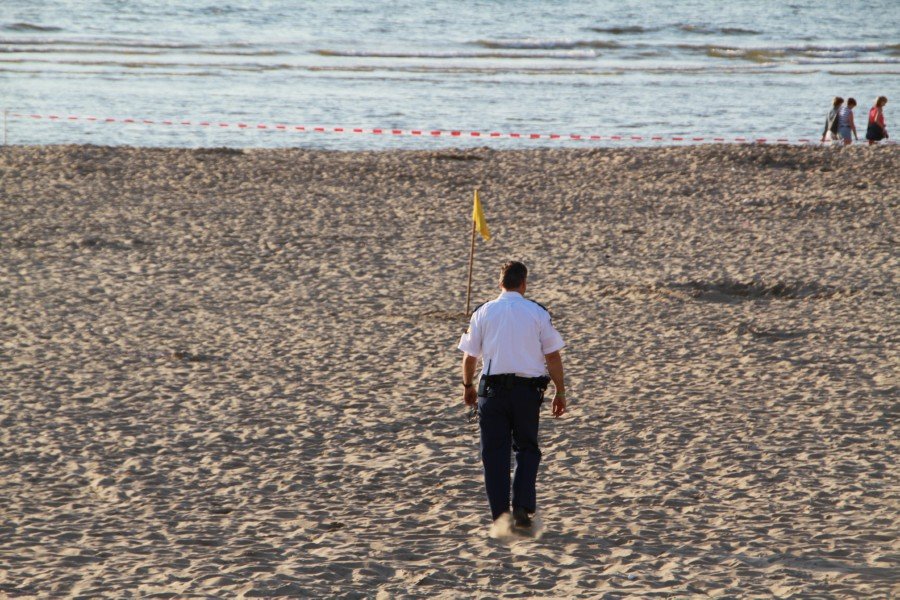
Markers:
(699, 68)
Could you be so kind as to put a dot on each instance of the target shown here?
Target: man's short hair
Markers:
(513, 274)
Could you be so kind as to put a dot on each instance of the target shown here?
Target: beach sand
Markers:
(234, 373)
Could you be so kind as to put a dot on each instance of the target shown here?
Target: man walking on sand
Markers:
(518, 346)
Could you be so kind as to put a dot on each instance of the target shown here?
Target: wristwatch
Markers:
(467, 385)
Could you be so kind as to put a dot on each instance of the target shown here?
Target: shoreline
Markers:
(469, 145)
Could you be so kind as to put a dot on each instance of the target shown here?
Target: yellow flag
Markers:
(478, 218)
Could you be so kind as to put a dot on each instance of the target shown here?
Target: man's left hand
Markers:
(470, 396)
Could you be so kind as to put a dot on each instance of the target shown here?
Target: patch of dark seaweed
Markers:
(194, 357)
(221, 151)
(722, 291)
(752, 330)
(457, 156)
(775, 157)
(730, 290)
(98, 243)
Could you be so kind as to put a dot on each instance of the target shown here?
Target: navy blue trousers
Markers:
(509, 421)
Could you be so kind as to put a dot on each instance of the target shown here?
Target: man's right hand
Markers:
(558, 407)
(470, 396)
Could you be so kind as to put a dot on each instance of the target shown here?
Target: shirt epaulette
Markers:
(541, 305)
(475, 310)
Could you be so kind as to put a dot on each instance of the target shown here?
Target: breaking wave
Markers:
(545, 53)
(29, 27)
(121, 42)
(624, 30)
(684, 27)
(849, 53)
(538, 44)
(707, 30)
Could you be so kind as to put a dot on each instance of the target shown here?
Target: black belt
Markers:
(508, 380)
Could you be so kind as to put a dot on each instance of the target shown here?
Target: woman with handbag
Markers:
(876, 131)
(831, 120)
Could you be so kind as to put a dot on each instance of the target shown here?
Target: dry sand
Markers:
(230, 373)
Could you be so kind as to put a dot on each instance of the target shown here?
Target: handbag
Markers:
(874, 132)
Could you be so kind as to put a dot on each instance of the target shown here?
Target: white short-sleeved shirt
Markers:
(511, 335)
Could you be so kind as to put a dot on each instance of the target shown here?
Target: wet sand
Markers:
(233, 373)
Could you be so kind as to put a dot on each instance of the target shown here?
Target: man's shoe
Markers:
(521, 519)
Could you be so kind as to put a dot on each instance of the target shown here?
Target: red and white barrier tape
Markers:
(419, 132)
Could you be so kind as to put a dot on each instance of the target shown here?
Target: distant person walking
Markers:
(518, 346)
(831, 120)
(846, 126)
(877, 131)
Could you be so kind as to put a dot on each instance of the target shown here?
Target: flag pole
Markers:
(471, 263)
